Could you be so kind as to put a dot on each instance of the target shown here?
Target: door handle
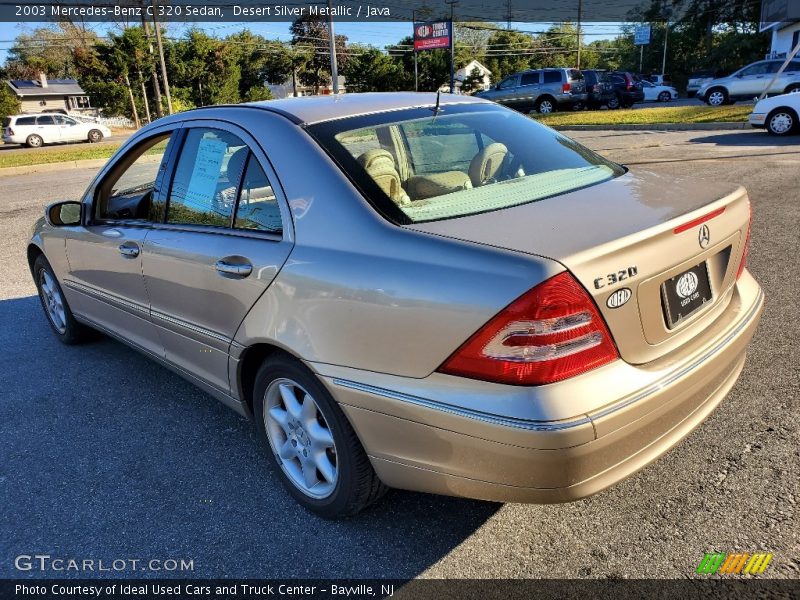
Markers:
(226, 268)
(129, 249)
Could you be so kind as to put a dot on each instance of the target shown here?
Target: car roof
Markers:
(50, 114)
(314, 109)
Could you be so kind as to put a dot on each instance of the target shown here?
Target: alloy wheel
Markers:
(781, 123)
(300, 438)
(716, 98)
(664, 96)
(545, 107)
(53, 302)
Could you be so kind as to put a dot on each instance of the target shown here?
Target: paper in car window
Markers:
(206, 172)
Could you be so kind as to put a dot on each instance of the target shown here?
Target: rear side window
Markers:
(551, 77)
(529, 79)
(48, 120)
(258, 206)
(26, 121)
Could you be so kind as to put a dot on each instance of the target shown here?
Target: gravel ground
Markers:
(106, 455)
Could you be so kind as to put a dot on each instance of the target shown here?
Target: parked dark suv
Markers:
(543, 90)
(599, 89)
(627, 89)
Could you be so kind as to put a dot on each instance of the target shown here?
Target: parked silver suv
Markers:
(542, 90)
(751, 81)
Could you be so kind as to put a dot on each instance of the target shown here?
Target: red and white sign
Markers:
(428, 36)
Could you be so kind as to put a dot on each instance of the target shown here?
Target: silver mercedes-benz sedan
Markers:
(402, 290)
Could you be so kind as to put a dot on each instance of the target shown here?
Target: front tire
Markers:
(664, 97)
(545, 106)
(67, 329)
(34, 141)
(95, 136)
(717, 97)
(319, 457)
(613, 103)
(782, 121)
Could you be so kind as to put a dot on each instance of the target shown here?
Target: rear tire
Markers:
(95, 136)
(782, 121)
(614, 103)
(67, 329)
(34, 141)
(312, 442)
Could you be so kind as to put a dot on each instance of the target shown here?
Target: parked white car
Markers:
(778, 114)
(658, 93)
(36, 130)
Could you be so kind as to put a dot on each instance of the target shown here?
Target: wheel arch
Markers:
(33, 252)
(250, 362)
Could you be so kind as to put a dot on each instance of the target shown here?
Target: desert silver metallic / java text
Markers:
(53, 301)
(300, 438)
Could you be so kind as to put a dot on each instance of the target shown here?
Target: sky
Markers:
(378, 34)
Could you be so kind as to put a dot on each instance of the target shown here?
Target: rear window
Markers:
(575, 74)
(552, 76)
(26, 121)
(414, 166)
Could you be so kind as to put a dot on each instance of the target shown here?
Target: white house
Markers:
(464, 72)
(782, 18)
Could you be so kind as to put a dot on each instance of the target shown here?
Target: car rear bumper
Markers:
(423, 444)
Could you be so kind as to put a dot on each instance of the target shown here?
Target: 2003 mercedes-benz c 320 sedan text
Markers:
(431, 294)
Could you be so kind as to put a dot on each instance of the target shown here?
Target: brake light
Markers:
(11, 131)
(743, 262)
(550, 333)
(565, 87)
(628, 82)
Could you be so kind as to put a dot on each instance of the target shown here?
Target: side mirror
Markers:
(64, 214)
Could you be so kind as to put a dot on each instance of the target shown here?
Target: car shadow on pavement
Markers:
(107, 455)
(746, 138)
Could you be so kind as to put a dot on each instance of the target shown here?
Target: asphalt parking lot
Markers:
(106, 455)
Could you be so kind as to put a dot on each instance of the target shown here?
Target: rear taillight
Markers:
(743, 262)
(548, 334)
(10, 131)
(565, 87)
(628, 82)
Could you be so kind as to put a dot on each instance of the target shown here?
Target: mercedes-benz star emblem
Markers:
(704, 237)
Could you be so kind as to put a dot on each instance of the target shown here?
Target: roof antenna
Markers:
(436, 108)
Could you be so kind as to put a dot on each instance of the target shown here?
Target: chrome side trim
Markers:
(556, 425)
(190, 326)
(106, 297)
(464, 412)
(678, 373)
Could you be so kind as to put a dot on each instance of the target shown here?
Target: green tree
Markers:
(48, 49)
(207, 67)
(370, 70)
(313, 32)
(506, 52)
(472, 82)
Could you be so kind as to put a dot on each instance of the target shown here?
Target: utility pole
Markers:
(580, 14)
(161, 56)
(664, 60)
(144, 96)
(452, 4)
(416, 69)
(153, 76)
(508, 14)
(332, 43)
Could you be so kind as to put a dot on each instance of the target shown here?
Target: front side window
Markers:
(507, 83)
(206, 180)
(127, 192)
(465, 160)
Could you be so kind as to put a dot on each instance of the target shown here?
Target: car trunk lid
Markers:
(628, 241)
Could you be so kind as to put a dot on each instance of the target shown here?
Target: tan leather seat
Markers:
(486, 164)
(380, 165)
(437, 184)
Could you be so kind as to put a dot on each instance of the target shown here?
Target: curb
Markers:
(55, 166)
(654, 127)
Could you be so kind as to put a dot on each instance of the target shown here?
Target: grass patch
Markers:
(650, 116)
(41, 156)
